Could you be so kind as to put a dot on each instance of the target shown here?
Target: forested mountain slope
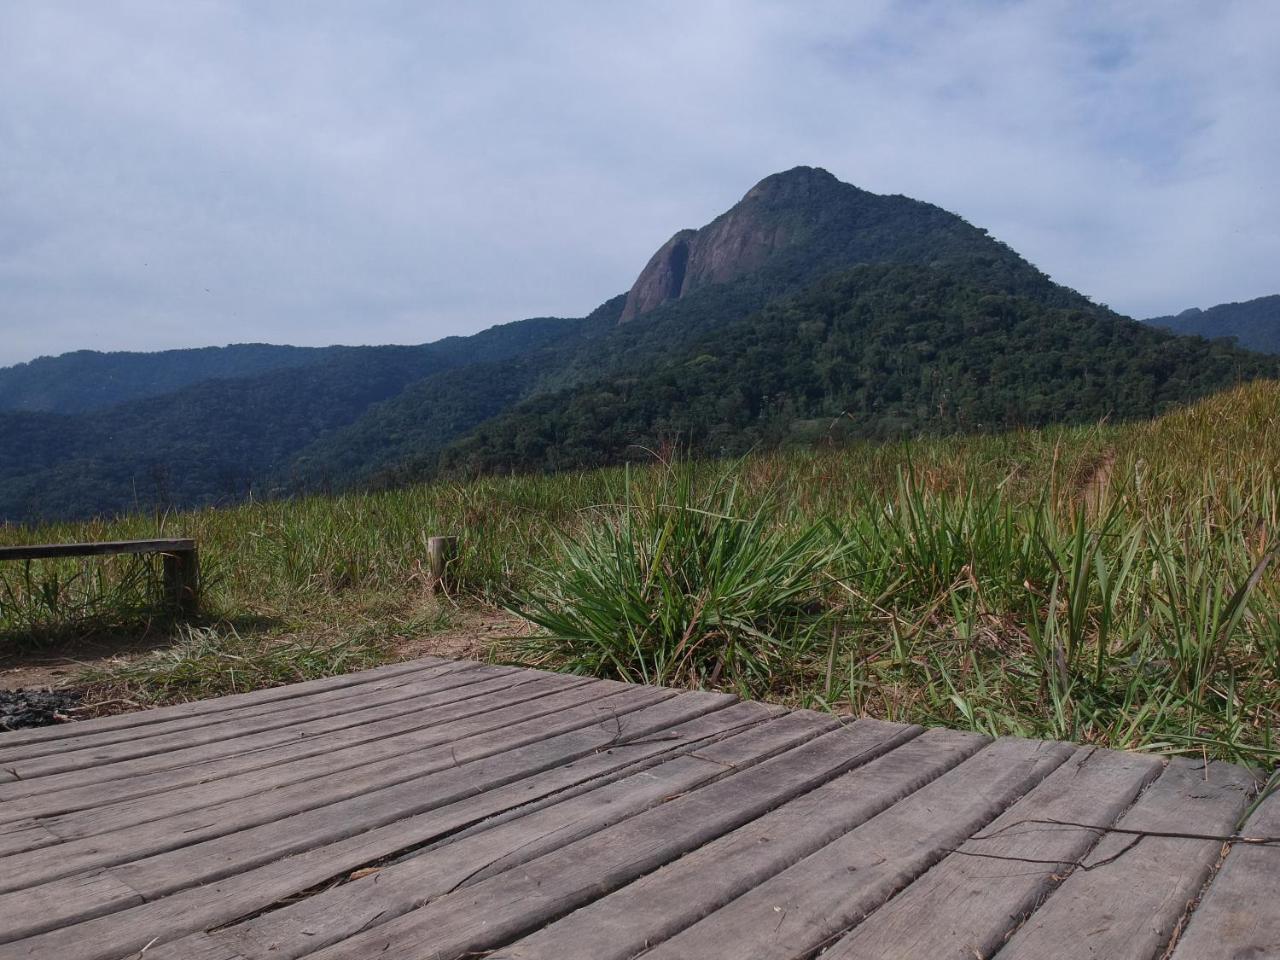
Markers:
(87, 380)
(219, 439)
(787, 232)
(1255, 324)
(883, 351)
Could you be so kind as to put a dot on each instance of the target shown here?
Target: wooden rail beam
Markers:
(180, 558)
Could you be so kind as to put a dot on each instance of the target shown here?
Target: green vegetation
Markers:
(220, 440)
(42, 601)
(86, 380)
(876, 352)
(1253, 324)
(675, 589)
(1107, 584)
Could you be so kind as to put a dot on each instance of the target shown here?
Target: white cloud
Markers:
(175, 174)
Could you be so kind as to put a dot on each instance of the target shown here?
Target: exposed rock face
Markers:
(735, 243)
(662, 278)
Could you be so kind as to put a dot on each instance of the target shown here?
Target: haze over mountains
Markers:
(812, 311)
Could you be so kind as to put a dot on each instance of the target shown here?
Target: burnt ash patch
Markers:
(36, 708)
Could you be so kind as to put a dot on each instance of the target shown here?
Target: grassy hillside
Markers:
(1107, 584)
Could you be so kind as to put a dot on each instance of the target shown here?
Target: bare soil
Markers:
(55, 664)
(472, 634)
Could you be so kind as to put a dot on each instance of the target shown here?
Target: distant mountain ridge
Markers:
(810, 311)
(91, 380)
(1255, 324)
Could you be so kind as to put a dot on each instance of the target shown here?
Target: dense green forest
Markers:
(87, 380)
(219, 440)
(810, 312)
(1254, 324)
(876, 352)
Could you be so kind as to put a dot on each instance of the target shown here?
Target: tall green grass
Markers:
(674, 587)
(41, 601)
(1113, 584)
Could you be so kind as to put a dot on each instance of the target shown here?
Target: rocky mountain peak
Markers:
(771, 216)
(798, 183)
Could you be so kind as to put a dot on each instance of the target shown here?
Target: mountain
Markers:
(218, 440)
(1255, 324)
(811, 311)
(787, 232)
(880, 351)
(88, 380)
(808, 219)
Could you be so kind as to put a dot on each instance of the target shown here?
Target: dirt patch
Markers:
(472, 634)
(55, 664)
(400, 631)
(467, 633)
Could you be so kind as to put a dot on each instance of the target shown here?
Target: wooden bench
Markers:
(180, 557)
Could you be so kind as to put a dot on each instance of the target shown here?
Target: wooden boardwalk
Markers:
(441, 810)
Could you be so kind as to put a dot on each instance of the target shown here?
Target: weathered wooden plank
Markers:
(180, 570)
(496, 786)
(202, 863)
(95, 807)
(588, 827)
(343, 912)
(12, 754)
(978, 895)
(51, 551)
(1239, 915)
(494, 910)
(277, 795)
(67, 732)
(1130, 900)
(233, 734)
(202, 763)
(106, 891)
(485, 698)
(810, 903)
(27, 836)
(659, 905)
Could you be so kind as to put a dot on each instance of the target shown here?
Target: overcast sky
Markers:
(181, 173)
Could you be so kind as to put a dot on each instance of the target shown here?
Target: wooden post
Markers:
(441, 551)
(182, 581)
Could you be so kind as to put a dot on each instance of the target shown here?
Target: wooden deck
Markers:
(438, 810)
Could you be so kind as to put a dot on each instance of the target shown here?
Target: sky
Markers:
(206, 172)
